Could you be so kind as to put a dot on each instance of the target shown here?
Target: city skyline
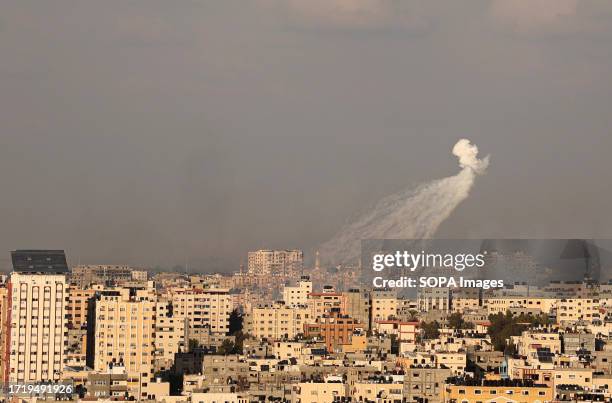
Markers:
(155, 133)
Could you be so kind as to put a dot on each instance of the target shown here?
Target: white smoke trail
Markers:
(409, 214)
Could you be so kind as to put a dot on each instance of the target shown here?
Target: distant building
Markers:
(275, 262)
(85, 275)
(438, 299)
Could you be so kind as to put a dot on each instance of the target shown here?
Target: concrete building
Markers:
(169, 335)
(497, 391)
(298, 294)
(204, 308)
(85, 275)
(278, 321)
(425, 383)
(275, 262)
(437, 299)
(384, 305)
(123, 328)
(357, 306)
(76, 308)
(335, 329)
(36, 310)
(318, 392)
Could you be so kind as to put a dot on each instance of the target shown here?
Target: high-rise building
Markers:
(206, 310)
(36, 316)
(5, 326)
(275, 262)
(77, 302)
(169, 335)
(122, 328)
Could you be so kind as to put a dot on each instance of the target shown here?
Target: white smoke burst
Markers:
(411, 213)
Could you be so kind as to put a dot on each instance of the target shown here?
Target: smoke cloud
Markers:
(411, 213)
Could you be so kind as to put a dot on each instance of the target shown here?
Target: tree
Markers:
(455, 321)
(503, 326)
(431, 330)
(239, 341)
(193, 344)
(227, 347)
(235, 322)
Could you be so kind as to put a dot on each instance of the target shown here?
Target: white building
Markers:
(298, 294)
(38, 323)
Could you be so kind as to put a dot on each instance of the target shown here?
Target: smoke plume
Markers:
(411, 213)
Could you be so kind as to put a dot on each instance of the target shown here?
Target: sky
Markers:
(162, 133)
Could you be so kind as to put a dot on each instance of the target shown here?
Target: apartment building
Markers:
(323, 303)
(384, 305)
(318, 392)
(275, 262)
(571, 310)
(497, 391)
(5, 327)
(76, 307)
(425, 383)
(436, 299)
(169, 335)
(36, 308)
(298, 294)
(357, 305)
(465, 299)
(278, 321)
(530, 341)
(335, 329)
(501, 304)
(123, 328)
(85, 275)
(206, 309)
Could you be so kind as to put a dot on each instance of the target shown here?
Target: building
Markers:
(275, 262)
(335, 329)
(318, 392)
(425, 383)
(36, 319)
(5, 326)
(436, 299)
(384, 305)
(357, 305)
(207, 310)
(323, 303)
(123, 328)
(76, 309)
(85, 275)
(298, 294)
(465, 299)
(169, 335)
(467, 391)
(278, 321)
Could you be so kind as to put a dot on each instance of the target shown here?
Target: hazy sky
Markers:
(155, 132)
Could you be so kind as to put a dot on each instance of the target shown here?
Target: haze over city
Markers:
(169, 133)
